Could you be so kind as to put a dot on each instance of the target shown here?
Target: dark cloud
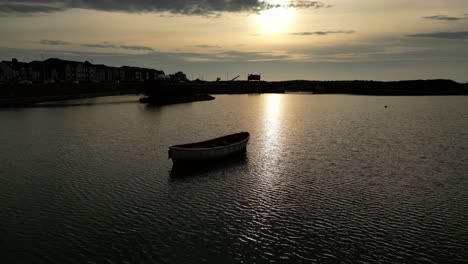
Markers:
(8, 7)
(250, 56)
(230, 56)
(442, 35)
(307, 4)
(207, 46)
(104, 45)
(322, 33)
(99, 45)
(141, 48)
(354, 50)
(108, 45)
(186, 7)
(53, 42)
(443, 17)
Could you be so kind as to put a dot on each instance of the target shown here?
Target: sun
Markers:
(277, 19)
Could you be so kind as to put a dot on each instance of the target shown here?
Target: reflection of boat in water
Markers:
(225, 166)
(213, 149)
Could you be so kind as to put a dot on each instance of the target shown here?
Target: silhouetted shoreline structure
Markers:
(165, 92)
(56, 70)
(253, 77)
(24, 83)
(410, 87)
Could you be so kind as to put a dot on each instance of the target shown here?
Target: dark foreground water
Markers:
(327, 178)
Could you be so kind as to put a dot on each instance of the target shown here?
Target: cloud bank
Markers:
(184, 7)
(53, 42)
(444, 18)
(322, 33)
(104, 45)
(306, 4)
(204, 46)
(9, 7)
(442, 35)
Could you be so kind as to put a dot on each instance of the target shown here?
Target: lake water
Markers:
(327, 178)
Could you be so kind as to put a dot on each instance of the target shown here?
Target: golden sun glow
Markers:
(277, 19)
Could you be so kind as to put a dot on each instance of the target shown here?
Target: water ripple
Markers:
(323, 182)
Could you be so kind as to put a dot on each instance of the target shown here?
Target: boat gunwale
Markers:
(179, 147)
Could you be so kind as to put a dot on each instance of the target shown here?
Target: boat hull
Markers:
(181, 155)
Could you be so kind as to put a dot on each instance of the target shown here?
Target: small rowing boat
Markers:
(209, 150)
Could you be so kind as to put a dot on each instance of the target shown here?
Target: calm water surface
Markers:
(327, 178)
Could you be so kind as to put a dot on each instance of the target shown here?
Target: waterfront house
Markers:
(6, 72)
(90, 71)
(57, 70)
(21, 71)
(254, 77)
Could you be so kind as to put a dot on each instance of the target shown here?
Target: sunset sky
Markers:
(314, 40)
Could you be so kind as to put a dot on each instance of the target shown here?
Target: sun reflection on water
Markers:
(272, 116)
(270, 169)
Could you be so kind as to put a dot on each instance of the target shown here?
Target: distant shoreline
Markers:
(29, 101)
(401, 88)
(13, 94)
(167, 100)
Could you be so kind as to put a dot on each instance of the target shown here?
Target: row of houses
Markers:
(57, 70)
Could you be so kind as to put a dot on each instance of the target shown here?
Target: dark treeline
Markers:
(413, 87)
(160, 91)
(173, 92)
